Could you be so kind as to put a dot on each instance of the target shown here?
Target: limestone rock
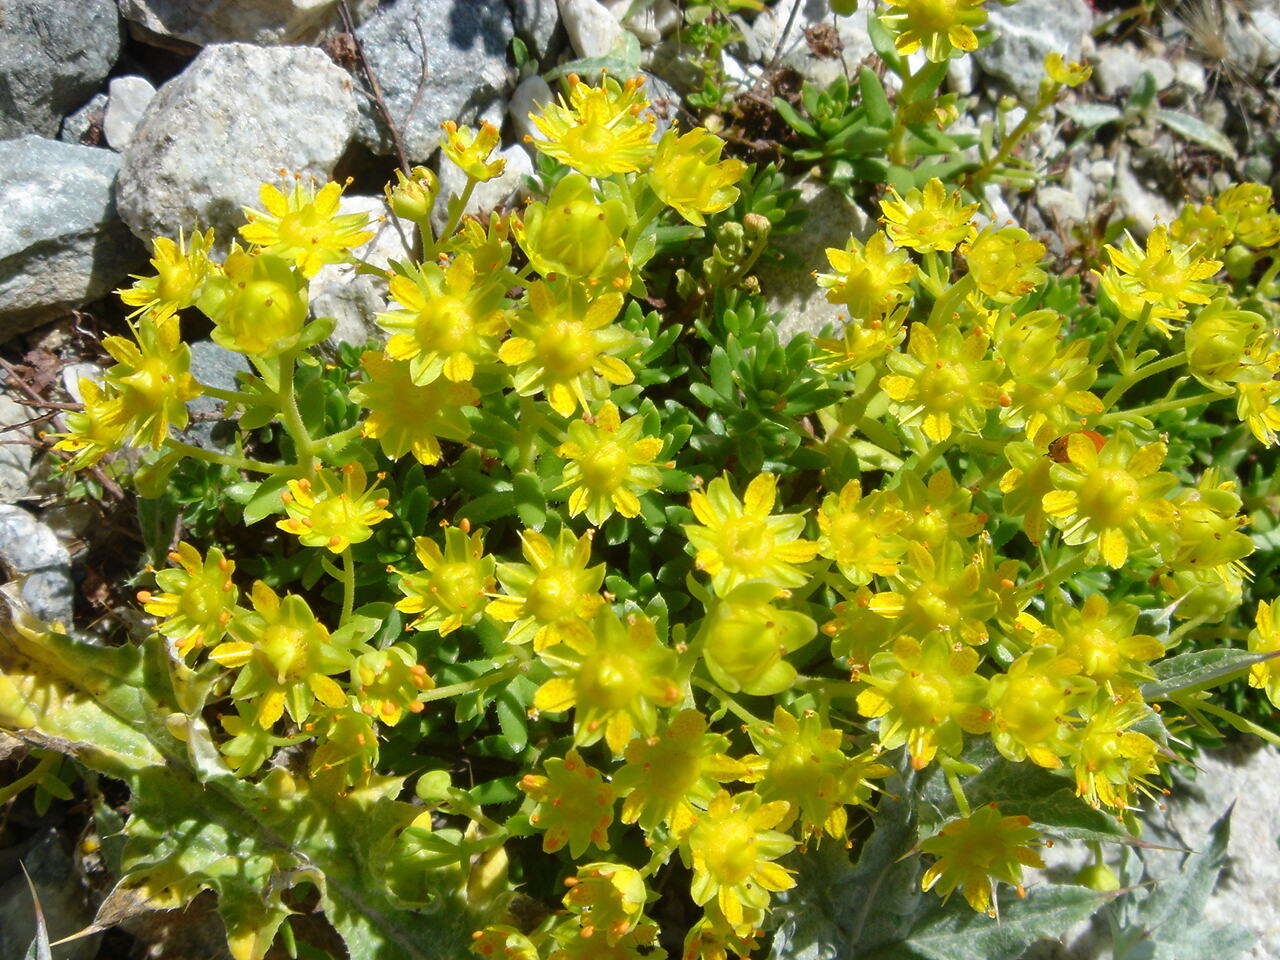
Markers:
(198, 155)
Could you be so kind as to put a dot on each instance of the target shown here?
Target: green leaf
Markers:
(265, 501)
(882, 43)
(1091, 115)
(1197, 131)
(874, 99)
(1199, 670)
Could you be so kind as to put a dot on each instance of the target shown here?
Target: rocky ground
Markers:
(123, 120)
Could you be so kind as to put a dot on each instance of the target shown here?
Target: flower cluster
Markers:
(674, 599)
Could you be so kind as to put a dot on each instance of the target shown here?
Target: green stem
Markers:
(336, 442)
(291, 416)
(228, 460)
(227, 396)
(1120, 416)
(1142, 373)
(957, 791)
(473, 686)
(906, 96)
(1034, 116)
(348, 586)
(742, 713)
(455, 213)
(946, 304)
(30, 779)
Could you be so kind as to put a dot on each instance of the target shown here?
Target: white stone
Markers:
(1060, 206)
(1026, 32)
(128, 101)
(530, 96)
(1141, 205)
(31, 553)
(1117, 69)
(592, 29)
(234, 118)
(500, 191)
(650, 24)
(790, 289)
(353, 298)
(770, 37)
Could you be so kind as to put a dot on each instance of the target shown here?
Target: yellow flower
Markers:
(870, 280)
(1068, 73)
(180, 275)
(566, 345)
(1265, 638)
(1024, 485)
(943, 382)
(152, 378)
(945, 587)
(304, 226)
(745, 638)
(609, 463)
(801, 764)
(1109, 759)
(197, 599)
(668, 778)
(333, 512)
(860, 343)
(731, 849)
(389, 681)
(927, 220)
(610, 898)
(575, 235)
(689, 176)
(1221, 343)
(449, 319)
(1202, 229)
(285, 658)
(598, 131)
(96, 430)
(500, 942)
(1112, 498)
(974, 852)
(1257, 396)
(937, 509)
(1029, 705)
(1158, 281)
(614, 682)
(1247, 209)
(450, 591)
(927, 696)
(258, 304)
(1048, 382)
(574, 805)
(1098, 637)
(554, 598)
(470, 150)
(347, 748)
(1207, 533)
(941, 27)
(862, 534)
(737, 540)
(413, 196)
(1004, 263)
(405, 417)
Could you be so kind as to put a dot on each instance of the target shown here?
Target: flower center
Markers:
(553, 595)
(1109, 497)
(729, 850)
(924, 701)
(446, 324)
(747, 542)
(607, 467)
(566, 349)
(458, 585)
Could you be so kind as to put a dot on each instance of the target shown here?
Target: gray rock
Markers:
(1243, 775)
(1026, 32)
(198, 155)
(770, 36)
(53, 56)
(61, 242)
(498, 192)
(648, 24)
(536, 23)
(63, 899)
(790, 289)
(215, 366)
(593, 30)
(15, 457)
(353, 298)
(1139, 201)
(30, 552)
(435, 60)
(530, 96)
(203, 22)
(130, 97)
(1118, 68)
(1059, 205)
(84, 126)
